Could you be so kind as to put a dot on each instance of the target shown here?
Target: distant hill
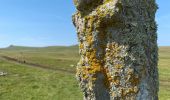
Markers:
(52, 56)
(49, 48)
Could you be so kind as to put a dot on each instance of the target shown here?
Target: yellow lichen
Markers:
(81, 46)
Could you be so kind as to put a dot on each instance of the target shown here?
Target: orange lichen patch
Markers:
(94, 66)
(116, 80)
(134, 80)
(130, 91)
(93, 79)
(90, 20)
(81, 45)
(108, 77)
(124, 92)
(85, 76)
(118, 66)
(114, 50)
(89, 39)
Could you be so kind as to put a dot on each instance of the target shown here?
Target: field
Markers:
(49, 73)
(164, 73)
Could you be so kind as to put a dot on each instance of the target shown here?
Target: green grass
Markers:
(53, 57)
(164, 73)
(28, 83)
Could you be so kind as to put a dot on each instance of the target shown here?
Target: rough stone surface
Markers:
(118, 48)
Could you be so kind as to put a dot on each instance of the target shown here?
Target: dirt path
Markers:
(35, 65)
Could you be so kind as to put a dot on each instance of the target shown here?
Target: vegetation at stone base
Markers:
(27, 83)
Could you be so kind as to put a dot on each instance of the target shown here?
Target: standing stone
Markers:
(118, 48)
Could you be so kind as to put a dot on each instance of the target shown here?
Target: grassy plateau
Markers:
(54, 78)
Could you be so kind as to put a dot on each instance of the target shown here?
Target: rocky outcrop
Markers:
(118, 48)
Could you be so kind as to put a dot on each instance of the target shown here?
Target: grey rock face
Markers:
(118, 48)
(83, 5)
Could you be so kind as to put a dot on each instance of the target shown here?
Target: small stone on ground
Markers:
(3, 73)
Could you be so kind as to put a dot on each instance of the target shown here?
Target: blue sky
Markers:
(48, 22)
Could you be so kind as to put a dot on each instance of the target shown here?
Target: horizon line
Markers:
(55, 46)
